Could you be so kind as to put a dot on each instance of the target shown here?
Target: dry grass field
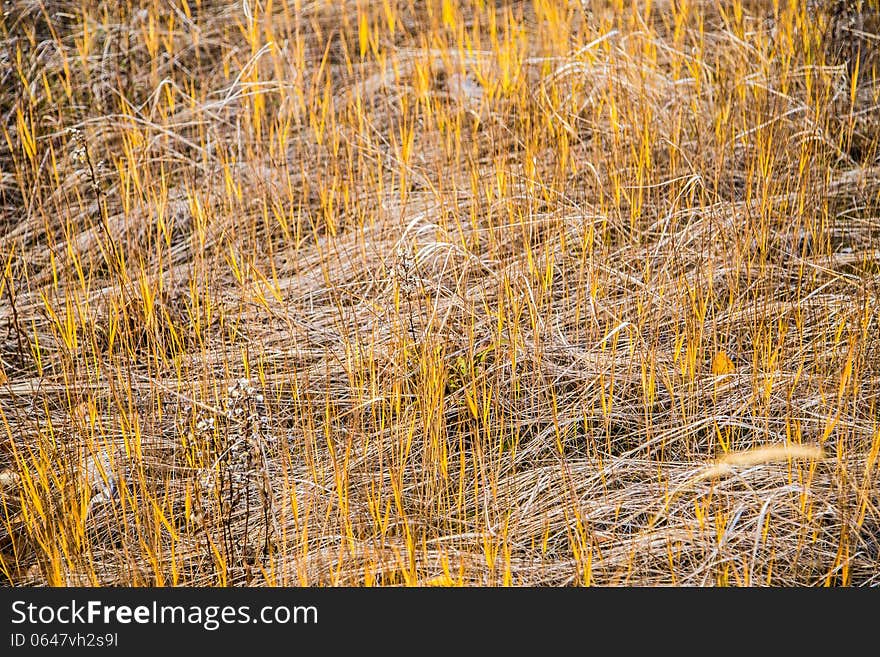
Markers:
(440, 292)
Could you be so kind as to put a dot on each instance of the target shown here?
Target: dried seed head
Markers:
(403, 271)
(9, 479)
(78, 156)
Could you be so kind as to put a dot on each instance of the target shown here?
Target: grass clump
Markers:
(452, 292)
